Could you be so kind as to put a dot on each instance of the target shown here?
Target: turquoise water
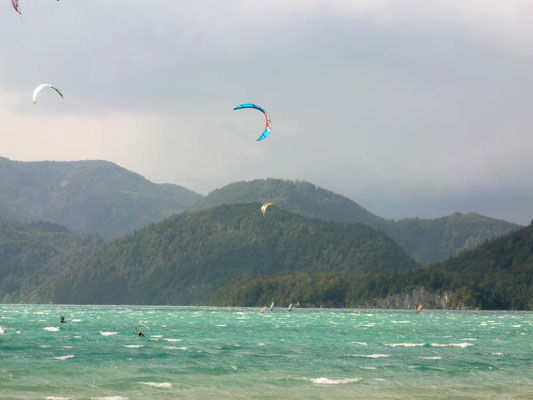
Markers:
(223, 353)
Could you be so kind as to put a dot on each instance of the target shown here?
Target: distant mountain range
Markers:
(185, 258)
(87, 196)
(495, 275)
(426, 240)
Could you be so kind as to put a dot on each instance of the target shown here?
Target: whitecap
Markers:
(372, 355)
(64, 357)
(51, 328)
(165, 385)
(156, 336)
(368, 367)
(327, 381)
(173, 340)
(133, 346)
(76, 320)
(369, 325)
(260, 344)
(233, 367)
(401, 322)
(451, 344)
(57, 398)
(497, 354)
(222, 325)
(107, 333)
(360, 343)
(67, 347)
(405, 344)
(110, 398)
(44, 346)
(516, 326)
(432, 358)
(469, 339)
(175, 348)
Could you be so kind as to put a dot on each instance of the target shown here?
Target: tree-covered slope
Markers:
(495, 275)
(432, 240)
(30, 253)
(86, 196)
(185, 258)
(426, 240)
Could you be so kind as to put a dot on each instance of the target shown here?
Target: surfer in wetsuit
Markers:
(62, 319)
(140, 334)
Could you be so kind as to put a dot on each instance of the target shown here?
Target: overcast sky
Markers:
(410, 108)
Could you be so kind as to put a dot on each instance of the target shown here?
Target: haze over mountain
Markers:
(426, 240)
(86, 196)
(495, 275)
(185, 258)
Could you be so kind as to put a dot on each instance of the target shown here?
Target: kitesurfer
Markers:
(62, 319)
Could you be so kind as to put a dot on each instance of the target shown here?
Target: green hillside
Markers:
(30, 253)
(426, 240)
(86, 196)
(495, 275)
(185, 258)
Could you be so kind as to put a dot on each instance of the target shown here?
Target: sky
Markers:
(411, 108)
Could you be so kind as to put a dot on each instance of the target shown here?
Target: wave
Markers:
(175, 348)
(327, 381)
(173, 340)
(360, 343)
(2, 331)
(401, 322)
(110, 398)
(64, 357)
(107, 333)
(165, 385)
(405, 344)
(57, 398)
(432, 358)
(76, 320)
(368, 367)
(51, 328)
(221, 325)
(133, 346)
(372, 355)
(451, 344)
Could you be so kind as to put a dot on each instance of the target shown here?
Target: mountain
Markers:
(86, 196)
(186, 257)
(426, 240)
(30, 253)
(496, 275)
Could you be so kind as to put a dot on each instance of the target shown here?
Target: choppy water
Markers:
(219, 353)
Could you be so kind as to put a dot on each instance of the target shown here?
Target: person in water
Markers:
(140, 334)
(62, 319)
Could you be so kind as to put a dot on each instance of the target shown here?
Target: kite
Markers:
(265, 206)
(45, 85)
(16, 6)
(266, 131)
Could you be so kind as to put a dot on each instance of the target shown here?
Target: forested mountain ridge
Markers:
(31, 253)
(426, 240)
(186, 257)
(495, 275)
(86, 196)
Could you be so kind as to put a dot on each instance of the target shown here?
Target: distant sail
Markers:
(272, 307)
(290, 307)
(263, 309)
(419, 309)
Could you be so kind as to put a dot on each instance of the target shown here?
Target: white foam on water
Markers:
(233, 367)
(133, 346)
(64, 357)
(173, 340)
(405, 344)
(156, 336)
(57, 398)
(372, 355)
(67, 347)
(2, 331)
(401, 322)
(432, 358)
(221, 325)
(51, 328)
(76, 320)
(516, 326)
(18, 332)
(368, 367)
(327, 381)
(110, 398)
(165, 385)
(360, 343)
(469, 339)
(369, 325)
(451, 344)
(497, 354)
(44, 346)
(154, 339)
(108, 333)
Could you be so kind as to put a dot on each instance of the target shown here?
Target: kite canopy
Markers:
(265, 206)
(45, 85)
(16, 6)
(266, 130)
